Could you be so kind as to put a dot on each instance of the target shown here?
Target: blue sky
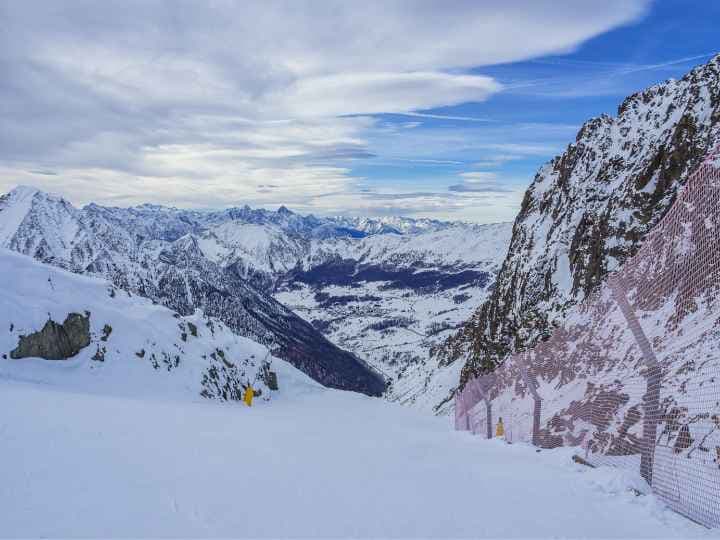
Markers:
(443, 110)
(546, 101)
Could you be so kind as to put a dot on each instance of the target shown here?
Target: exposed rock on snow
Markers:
(56, 341)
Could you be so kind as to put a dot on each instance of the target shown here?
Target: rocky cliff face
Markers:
(589, 209)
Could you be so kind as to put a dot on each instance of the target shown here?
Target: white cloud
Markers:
(197, 103)
(479, 177)
(371, 93)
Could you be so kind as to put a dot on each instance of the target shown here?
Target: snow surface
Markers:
(316, 463)
(121, 448)
(149, 351)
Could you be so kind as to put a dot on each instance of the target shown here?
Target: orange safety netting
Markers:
(632, 378)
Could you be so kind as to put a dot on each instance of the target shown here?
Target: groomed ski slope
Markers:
(310, 463)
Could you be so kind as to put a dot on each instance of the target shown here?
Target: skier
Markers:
(249, 394)
(500, 429)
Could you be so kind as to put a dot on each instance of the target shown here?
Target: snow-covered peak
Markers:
(392, 224)
(14, 206)
(37, 222)
(21, 192)
(259, 242)
(185, 260)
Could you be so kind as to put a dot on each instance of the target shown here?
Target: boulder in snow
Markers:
(56, 341)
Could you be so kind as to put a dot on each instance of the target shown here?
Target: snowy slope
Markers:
(120, 448)
(321, 464)
(137, 348)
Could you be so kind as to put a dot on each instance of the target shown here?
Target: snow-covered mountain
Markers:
(155, 252)
(589, 209)
(388, 291)
(127, 346)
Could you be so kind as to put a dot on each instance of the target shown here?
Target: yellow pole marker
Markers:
(249, 394)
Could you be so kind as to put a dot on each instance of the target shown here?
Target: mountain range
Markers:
(250, 268)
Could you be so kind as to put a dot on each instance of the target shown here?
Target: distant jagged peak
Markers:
(394, 224)
(151, 216)
(24, 192)
(698, 75)
(24, 200)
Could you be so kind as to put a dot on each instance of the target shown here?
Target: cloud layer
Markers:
(265, 103)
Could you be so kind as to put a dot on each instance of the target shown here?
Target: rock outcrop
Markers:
(56, 341)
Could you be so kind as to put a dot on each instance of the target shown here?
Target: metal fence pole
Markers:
(488, 408)
(651, 398)
(532, 386)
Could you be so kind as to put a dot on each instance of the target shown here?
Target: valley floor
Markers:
(316, 463)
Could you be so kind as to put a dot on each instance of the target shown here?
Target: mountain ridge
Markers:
(589, 209)
(128, 253)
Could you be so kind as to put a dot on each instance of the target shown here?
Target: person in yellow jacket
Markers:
(500, 429)
(249, 395)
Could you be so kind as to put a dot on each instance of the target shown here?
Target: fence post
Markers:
(536, 423)
(460, 413)
(651, 398)
(651, 419)
(488, 404)
(488, 408)
(537, 400)
(466, 412)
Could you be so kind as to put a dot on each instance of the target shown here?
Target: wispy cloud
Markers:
(479, 176)
(600, 78)
(478, 188)
(481, 182)
(447, 117)
(651, 67)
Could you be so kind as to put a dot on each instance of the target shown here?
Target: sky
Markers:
(416, 108)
